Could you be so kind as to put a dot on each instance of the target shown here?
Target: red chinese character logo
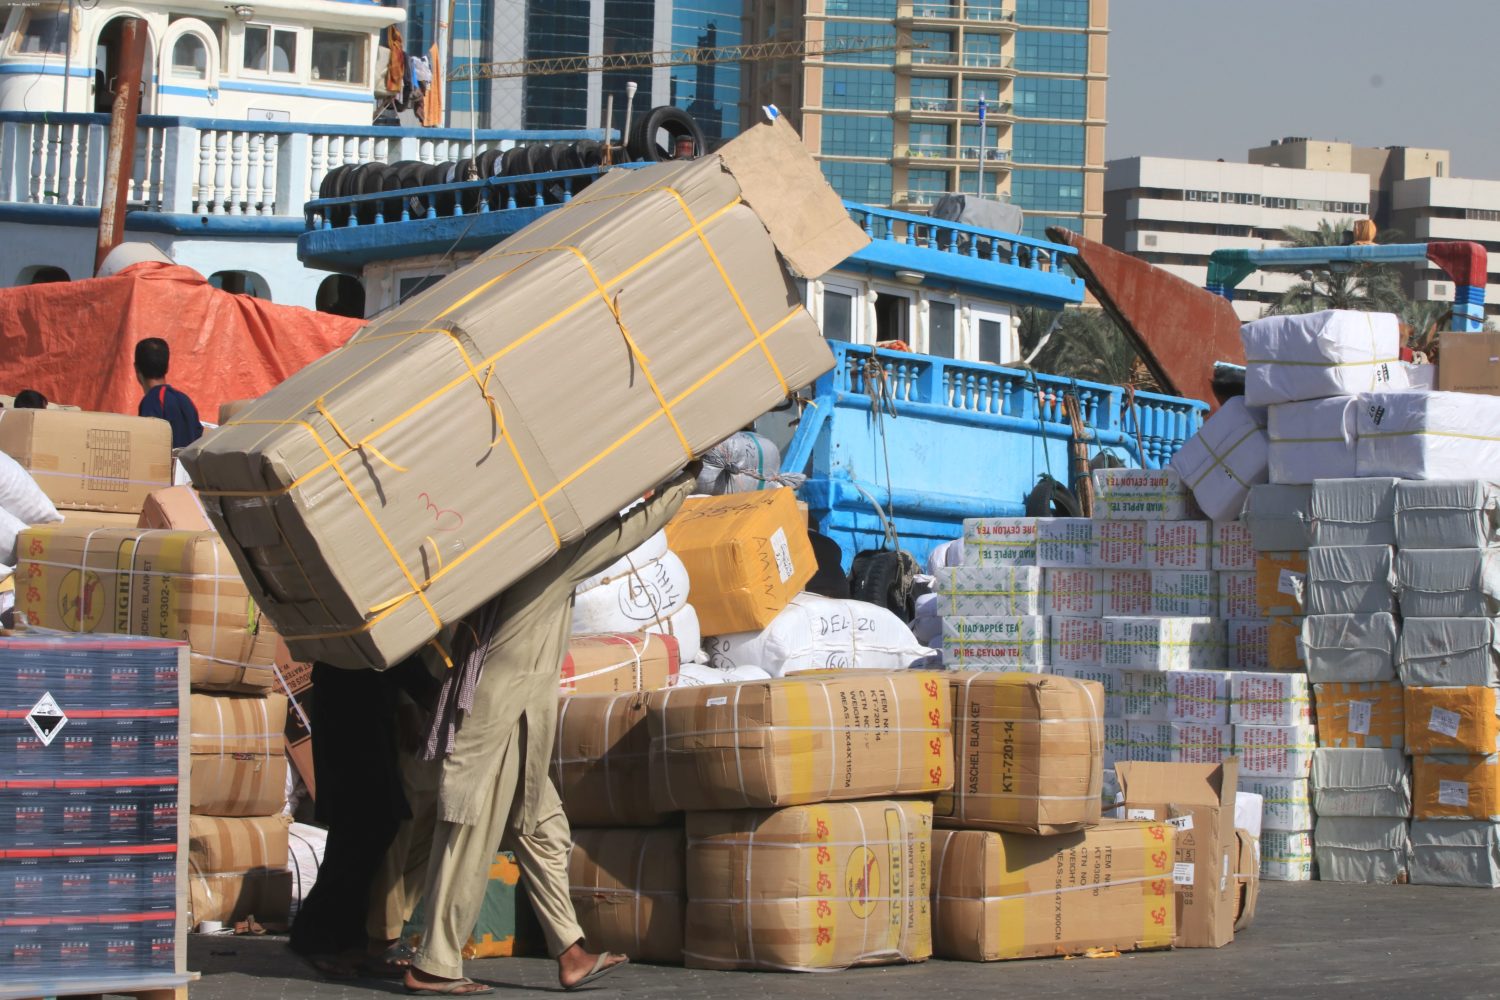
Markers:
(935, 718)
(824, 856)
(824, 910)
(1159, 887)
(1159, 916)
(822, 829)
(936, 746)
(824, 882)
(1159, 859)
(936, 775)
(825, 935)
(33, 570)
(33, 596)
(1158, 833)
(37, 548)
(931, 688)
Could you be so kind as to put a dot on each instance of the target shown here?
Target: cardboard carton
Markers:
(1456, 787)
(1425, 435)
(1000, 541)
(1116, 748)
(228, 411)
(1351, 648)
(601, 765)
(1122, 544)
(1449, 583)
(1449, 652)
(297, 685)
(1312, 439)
(1200, 742)
(1145, 695)
(1369, 782)
(1269, 699)
(1448, 852)
(176, 508)
(1451, 720)
(1075, 642)
(1353, 512)
(1281, 583)
(1284, 650)
(1178, 594)
(507, 926)
(1232, 551)
(1065, 542)
(628, 889)
(1224, 459)
(1275, 751)
(1238, 593)
(1286, 855)
(1150, 740)
(619, 662)
(403, 480)
(1074, 592)
(1162, 643)
(1198, 801)
(92, 519)
(995, 643)
(1370, 850)
(90, 461)
(265, 895)
(1111, 679)
(846, 734)
(237, 845)
(1447, 514)
(1246, 878)
(1350, 579)
(1198, 696)
(988, 591)
(1279, 517)
(1286, 803)
(167, 584)
(1247, 644)
(1141, 495)
(747, 555)
(1361, 715)
(1000, 896)
(1028, 754)
(811, 887)
(238, 754)
(1127, 592)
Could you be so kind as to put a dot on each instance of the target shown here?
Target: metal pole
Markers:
(609, 123)
(68, 59)
(120, 157)
(630, 88)
(983, 147)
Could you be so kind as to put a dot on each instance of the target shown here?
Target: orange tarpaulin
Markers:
(75, 341)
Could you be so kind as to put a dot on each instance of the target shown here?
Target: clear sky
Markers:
(1206, 79)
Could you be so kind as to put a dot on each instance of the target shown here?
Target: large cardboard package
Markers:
(237, 845)
(1074, 642)
(1029, 754)
(1449, 652)
(1111, 679)
(1286, 855)
(1350, 579)
(1140, 643)
(1269, 699)
(1447, 514)
(1456, 787)
(1065, 542)
(454, 443)
(1354, 511)
(1198, 801)
(1275, 751)
(1141, 494)
(1312, 440)
(1223, 460)
(999, 541)
(90, 461)
(628, 889)
(238, 754)
(1018, 643)
(1312, 355)
(1368, 782)
(1284, 645)
(1372, 850)
(811, 887)
(1451, 720)
(846, 734)
(1428, 435)
(998, 896)
(747, 555)
(167, 584)
(296, 682)
(1281, 583)
(1369, 715)
(618, 662)
(989, 591)
(1350, 648)
(601, 765)
(1449, 583)
(1445, 852)
(1279, 517)
(177, 508)
(1076, 593)
(265, 894)
(1468, 362)
(1286, 803)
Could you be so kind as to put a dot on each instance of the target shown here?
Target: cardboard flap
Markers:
(1179, 784)
(784, 187)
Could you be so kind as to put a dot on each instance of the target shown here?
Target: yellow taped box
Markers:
(1456, 787)
(167, 584)
(177, 508)
(809, 888)
(238, 754)
(1367, 715)
(455, 443)
(1280, 581)
(1284, 646)
(628, 889)
(238, 868)
(844, 734)
(1029, 753)
(1451, 720)
(999, 896)
(601, 761)
(610, 663)
(747, 554)
(90, 461)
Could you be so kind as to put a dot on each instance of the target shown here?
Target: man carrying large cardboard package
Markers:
(494, 730)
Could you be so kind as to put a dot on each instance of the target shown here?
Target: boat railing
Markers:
(432, 201)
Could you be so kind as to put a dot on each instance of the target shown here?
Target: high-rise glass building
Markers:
(899, 124)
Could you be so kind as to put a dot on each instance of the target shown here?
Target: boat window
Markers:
(991, 341)
(270, 50)
(838, 315)
(941, 329)
(338, 56)
(220, 29)
(190, 57)
(45, 32)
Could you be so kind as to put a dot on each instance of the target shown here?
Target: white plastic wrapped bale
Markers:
(1420, 376)
(1428, 435)
(1109, 678)
(1286, 803)
(1349, 648)
(989, 591)
(21, 497)
(1449, 583)
(1077, 593)
(1232, 550)
(1179, 594)
(1279, 517)
(822, 633)
(999, 541)
(947, 554)
(1269, 699)
(1354, 511)
(684, 627)
(742, 463)
(10, 527)
(1144, 695)
(1286, 856)
(1275, 751)
(650, 551)
(1237, 595)
(1141, 494)
(1449, 652)
(1223, 460)
(927, 626)
(1367, 850)
(1247, 644)
(1126, 591)
(1155, 545)
(1313, 439)
(1315, 355)
(1075, 642)
(1139, 643)
(1198, 696)
(646, 594)
(306, 846)
(1064, 542)
(1350, 580)
(1447, 514)
(1361, 782)
(696, 674)
(1462, 853)
(1008, 643)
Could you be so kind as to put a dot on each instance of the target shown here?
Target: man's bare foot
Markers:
(425, 984)
(578, 966)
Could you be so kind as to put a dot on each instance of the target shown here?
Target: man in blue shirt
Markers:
(161, 400)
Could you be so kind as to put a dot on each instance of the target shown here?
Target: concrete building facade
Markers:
(1438, 208)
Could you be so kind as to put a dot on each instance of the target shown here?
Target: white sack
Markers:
(10, 527)
(822, 633)
(21, 497)
(650, 551)
(697, 674)
(1447, 514)
(1223, 460)
(648, 595)
(1314, 355)
(1313, 439)
(1429, 435)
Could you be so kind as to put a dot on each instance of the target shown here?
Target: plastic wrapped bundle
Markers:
(1314, 355)
(819, 633)
(743, 463)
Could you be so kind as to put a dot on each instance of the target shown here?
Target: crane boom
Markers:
(695, 56)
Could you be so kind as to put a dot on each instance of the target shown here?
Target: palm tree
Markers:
(1339, 285)
(1084, 344)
